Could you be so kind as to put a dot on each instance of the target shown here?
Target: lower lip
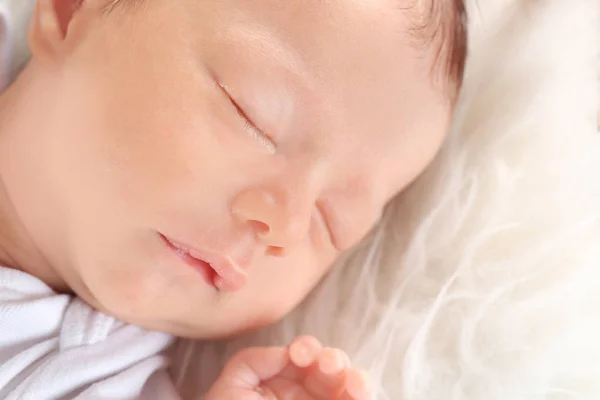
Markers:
(202, 267)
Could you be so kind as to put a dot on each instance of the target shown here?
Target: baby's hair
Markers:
(439, 23)
(443, 24)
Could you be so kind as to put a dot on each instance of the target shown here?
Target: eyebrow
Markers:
(266, 42)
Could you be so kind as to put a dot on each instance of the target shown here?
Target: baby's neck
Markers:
(17, 251)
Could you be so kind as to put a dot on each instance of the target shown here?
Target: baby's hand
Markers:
(303, 371)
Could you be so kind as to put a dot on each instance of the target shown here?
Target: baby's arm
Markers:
(304, 371)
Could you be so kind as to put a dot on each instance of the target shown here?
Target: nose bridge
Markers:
(294, 201)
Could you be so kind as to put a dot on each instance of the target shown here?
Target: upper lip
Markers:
(223, 265)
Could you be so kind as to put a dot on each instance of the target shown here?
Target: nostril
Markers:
(260, 228)
(276, 251)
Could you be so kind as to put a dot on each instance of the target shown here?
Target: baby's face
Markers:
(262, 136)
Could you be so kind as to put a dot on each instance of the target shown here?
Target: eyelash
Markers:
(250, 126)
(254, 131)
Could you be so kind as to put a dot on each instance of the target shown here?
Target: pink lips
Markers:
(218, 270)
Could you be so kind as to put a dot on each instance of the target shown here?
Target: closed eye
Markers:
(254, 131)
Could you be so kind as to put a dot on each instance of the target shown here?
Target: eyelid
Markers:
(261, 135)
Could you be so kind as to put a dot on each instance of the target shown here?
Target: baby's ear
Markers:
(5, 48)
(56, 23)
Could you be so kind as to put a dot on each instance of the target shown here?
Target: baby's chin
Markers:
(207, 328)
(200, 332)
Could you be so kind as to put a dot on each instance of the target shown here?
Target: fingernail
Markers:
(302, 354)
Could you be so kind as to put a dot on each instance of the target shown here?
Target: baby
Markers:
(193, 168)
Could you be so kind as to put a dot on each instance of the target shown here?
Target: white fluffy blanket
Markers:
(483, 280)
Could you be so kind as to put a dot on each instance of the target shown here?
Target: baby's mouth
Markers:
(219, 271)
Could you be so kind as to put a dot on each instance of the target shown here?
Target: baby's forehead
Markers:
(436, 28)
(326, 30)
(353, 57)
(434, 31)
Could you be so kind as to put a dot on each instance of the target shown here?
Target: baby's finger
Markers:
(327, 377)
(250, 367)
(357, 386)
(304, 351)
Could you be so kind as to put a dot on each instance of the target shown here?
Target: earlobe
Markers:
(49, 26)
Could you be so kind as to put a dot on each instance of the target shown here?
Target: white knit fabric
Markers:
(5, 47)
(20, 14)
(57, 347)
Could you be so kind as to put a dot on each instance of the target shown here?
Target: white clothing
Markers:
(55, 346)
(5, 47)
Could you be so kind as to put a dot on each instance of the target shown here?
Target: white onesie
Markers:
(55, 346)
(5, 47)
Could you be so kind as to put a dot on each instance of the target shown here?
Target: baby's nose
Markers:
(280, 219)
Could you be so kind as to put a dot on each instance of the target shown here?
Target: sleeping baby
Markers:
(191, 168)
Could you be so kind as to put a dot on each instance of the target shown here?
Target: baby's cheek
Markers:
(280, 284)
